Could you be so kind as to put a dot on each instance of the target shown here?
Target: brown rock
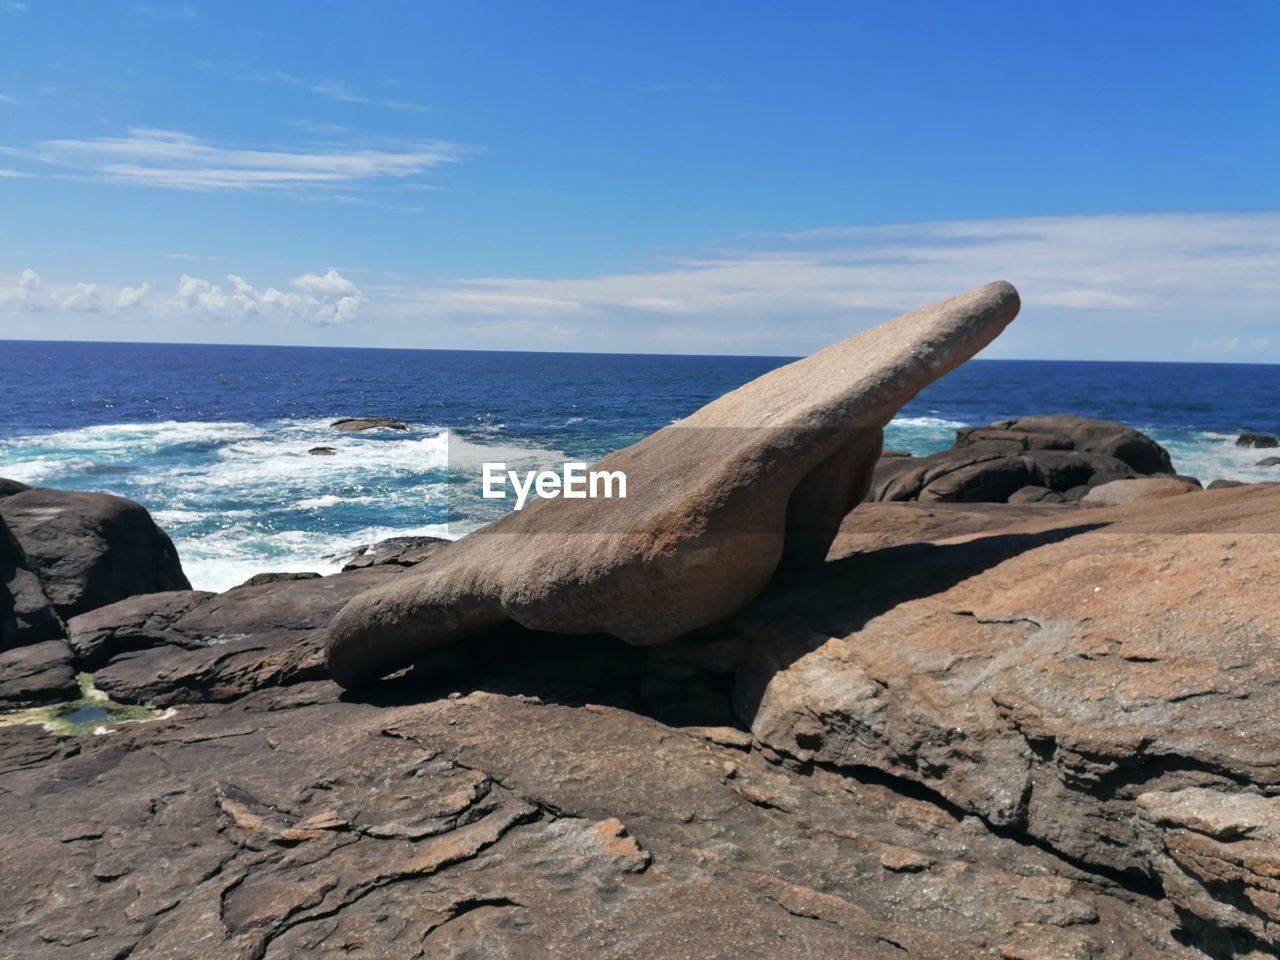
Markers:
(356, 424)
(133, 624)
(9, 487)
(1034, 494)
(1064, 431)
(1046, 676)
(91, 549)
(191, 646)
(401, 551)
(762, 476)
(37, 673)
(494, 826)
(26, 615)
(1119, 492)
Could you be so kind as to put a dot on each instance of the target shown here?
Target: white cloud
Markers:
(324, 299)
(165, 158)
(28, 292)
(1167, 286)
(6, 98)
(329, 284)
(345, 93)
(1123, 266)
(320, 299)
(15, 6)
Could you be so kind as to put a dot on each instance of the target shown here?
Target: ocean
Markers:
(214, 440)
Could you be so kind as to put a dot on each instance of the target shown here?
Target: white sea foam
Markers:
(229, 557)
(1215, 456)
(930, 422)
(241, 499)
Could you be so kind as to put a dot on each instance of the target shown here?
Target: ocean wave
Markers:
(1213, 456)
(227, 558)
(931, 422)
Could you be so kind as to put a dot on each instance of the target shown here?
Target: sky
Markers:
(736, 177)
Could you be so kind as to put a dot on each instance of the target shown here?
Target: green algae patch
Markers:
(93, 712)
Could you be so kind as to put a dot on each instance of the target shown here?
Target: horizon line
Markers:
(598, 353)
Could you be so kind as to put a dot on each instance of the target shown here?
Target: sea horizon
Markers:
(601, 353)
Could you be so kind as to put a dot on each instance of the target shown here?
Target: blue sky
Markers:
(720, 177)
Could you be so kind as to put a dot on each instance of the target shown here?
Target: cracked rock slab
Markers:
(1102, 683)
(498, 826)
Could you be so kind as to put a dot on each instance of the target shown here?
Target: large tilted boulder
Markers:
(1058, 454)
(91, 549)
(760, 477)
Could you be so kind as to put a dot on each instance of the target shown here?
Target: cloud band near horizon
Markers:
(1119, 286)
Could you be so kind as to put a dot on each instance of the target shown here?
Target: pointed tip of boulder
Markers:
(1004, 290)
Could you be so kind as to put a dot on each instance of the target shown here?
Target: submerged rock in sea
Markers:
(1260, 440)
(323, 452)
(91, 549)
(715, 503)
(356, 424)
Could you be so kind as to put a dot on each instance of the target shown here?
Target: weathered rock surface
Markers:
(1060, 454)
(91, 549)
(191, 646)
(356, 424)
(984, 475)
(1117, 492)
(9, 487)
(762, 476)
(1064, 431)
(37, 673)
(26, 615)
(1101, 683)
(501, 826)
(981, 730)
(401, 551)
(133, 624)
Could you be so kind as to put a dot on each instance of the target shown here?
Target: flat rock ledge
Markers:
(978, 730)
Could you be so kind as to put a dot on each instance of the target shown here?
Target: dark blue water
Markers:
(214, 439)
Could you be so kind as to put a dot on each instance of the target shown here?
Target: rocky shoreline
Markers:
(1021, 708)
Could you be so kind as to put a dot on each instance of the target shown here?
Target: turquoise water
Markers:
(214, 440)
